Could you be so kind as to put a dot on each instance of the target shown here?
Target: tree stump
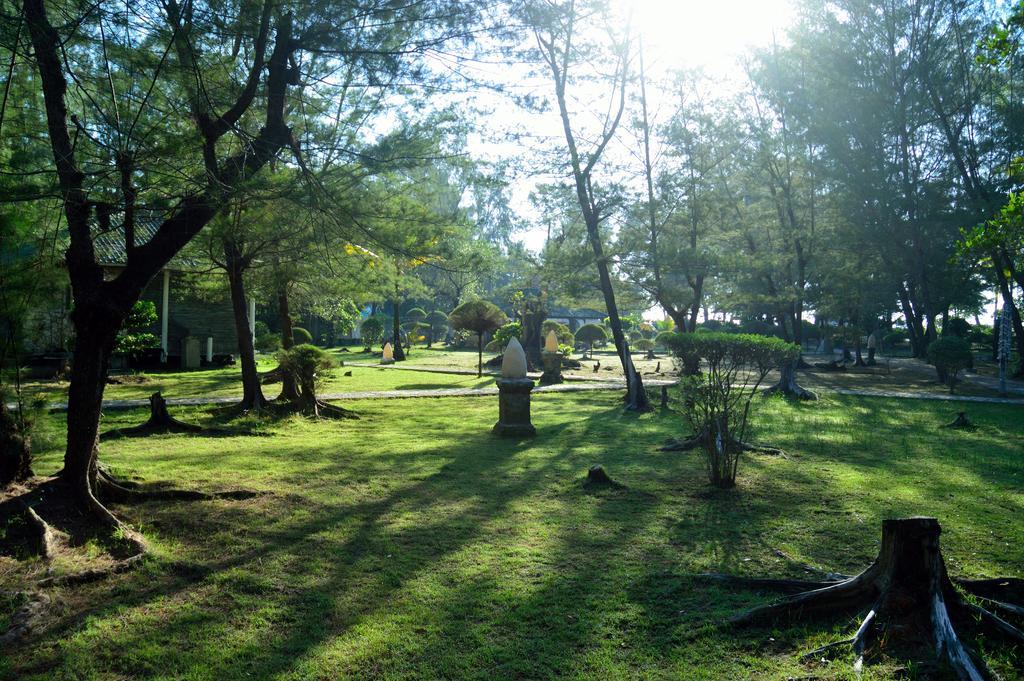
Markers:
(961, 422)
(598, 477)
(909, 597)
(160, 422)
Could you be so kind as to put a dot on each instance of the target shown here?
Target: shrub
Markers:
(268, 342)
(589, 334)
(644, 345)
(562, 332)
(956, 326)
(478, 316)
(307, 363)
(506, 333)
(133, 336)
(717, 401)
(261, 328)
(438, 322)
(372, 330)
(662, 338)
(301, 336)
(950, 355)
(565, 349)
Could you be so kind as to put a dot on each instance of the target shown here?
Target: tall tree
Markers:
(565, 46)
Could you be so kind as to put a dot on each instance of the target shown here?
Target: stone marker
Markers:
(552, 360)
(389, 355)
(514, 394)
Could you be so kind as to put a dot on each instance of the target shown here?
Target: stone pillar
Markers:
(514, 394)
(514, 408)
(552, 368)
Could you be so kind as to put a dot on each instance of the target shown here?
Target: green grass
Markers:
(413, 544)
(226, 381)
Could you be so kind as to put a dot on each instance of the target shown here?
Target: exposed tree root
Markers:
(788, 387)
(909, 598)
(697, 440)
(27, 618)
(44, 534)
(313, 408)
(961, 422)
(127, 492)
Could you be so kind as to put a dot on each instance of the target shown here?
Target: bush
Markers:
(950, 355)
(372, 330)
(478, 316)
(133, 336)
(565, 349)
(644, 345)
(506, 333)
(717, 401)
(956, 326)
(268, 342)
(301, 336)
(261, 328)
(590, 334)
(562, 332)
(307, 363)
(662, 338)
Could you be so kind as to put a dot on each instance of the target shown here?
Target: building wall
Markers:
(191, 316)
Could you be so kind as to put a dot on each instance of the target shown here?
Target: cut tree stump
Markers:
(160, 422)
(909, 598)
(961, 422)
(598, 477)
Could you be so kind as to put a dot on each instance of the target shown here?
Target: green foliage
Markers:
(591, 334)
(950, 355)
(268, 342)
(511, 330)
(643, 344)
(716, 402)
(301, 336)
(372, 330)
(307, 363)
(956, 326)
(662, 339)
(478, 316)
(133, 337)
(261, 328)
(566, 349)
(562, 332)
(416, 314)
(437, 322)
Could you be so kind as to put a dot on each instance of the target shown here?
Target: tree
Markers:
(308, 364)
(590, 334)
(717, 400)
(438, 323)
(480, 317)
(372, 331)
(556, 29)
(137, 146)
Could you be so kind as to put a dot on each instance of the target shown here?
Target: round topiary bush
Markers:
(950, 355)
(590, 334)
(301, 336)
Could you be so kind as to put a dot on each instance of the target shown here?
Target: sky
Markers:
(709, 35)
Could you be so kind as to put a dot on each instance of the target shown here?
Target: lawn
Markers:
(413, 544)
(227, 381)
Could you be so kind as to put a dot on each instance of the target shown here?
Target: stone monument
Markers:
(552, 360)
(514, 394)
(388, 356)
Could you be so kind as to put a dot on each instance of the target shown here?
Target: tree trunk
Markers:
(1015, 317)
(96, 327)
(788, 386)
(479, 354)
(533, 318)
(909, 597)
(15, 448)
(252, 392)
(396, 346)
(289, 387)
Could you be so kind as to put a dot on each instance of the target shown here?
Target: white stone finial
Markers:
(389, 353)
(551, 342)
(513, 362)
